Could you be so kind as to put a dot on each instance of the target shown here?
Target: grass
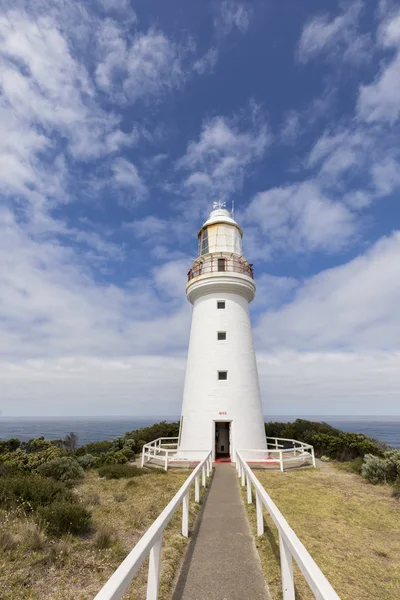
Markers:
(34, 566)
(350, 528)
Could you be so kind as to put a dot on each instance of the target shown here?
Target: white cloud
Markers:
(291, 128)
(386, 176)
(380, 100)
(52, 306)
(298, 218)
(218, 161)
(353, 307)
(292, 383)
(207, 62)
(337, 37)
(329, 383)
(230, 15)
(127, 175)
(148, 65)
(83, 385)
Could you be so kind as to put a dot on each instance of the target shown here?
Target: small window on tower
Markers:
(221, 304)
(221, 335)
(222, 375)
(221, 264)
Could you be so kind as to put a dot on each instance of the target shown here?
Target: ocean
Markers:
(91, 429)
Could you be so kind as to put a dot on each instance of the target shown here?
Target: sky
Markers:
(122, 121)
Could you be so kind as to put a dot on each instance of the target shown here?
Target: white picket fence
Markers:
(151, 542)
(289, 544)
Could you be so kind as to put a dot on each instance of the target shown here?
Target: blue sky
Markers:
(121, 122)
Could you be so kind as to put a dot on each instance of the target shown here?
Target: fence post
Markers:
(281, 460)
(197, 489)
(185, 515)
(142, 457)
(243, 477)
(248, 484)
(286, 570)
(207, 468)
(153, 580)
(313, 457)
(259, 511)
(203, 476)
(239, 468)
(166, 461)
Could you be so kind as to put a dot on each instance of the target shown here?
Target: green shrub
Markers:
(374, 469)
(138, 437)
(130, 455)
(31, 461)
(380, 470)
(36, 445)
(113, 458)
(9, 445)
(95, 448)
(63, 469)
(31, 491)
(393, 465)
(65, 517)
(87, 461)
(119, 471)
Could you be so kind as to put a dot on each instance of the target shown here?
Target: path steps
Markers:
(222, 562)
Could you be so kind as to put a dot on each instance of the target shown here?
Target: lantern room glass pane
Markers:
(203, 242)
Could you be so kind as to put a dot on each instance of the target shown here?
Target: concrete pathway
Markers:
(222, 561)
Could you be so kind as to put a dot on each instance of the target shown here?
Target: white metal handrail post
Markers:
(243, 477)
(166, 461)
(281, 460)
(290, 545)
(259, 511)
(197, 489)
(286, 570)
(153, 581)
(185, 515)
(248, 486)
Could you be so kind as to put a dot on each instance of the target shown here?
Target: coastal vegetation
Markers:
(69, 514)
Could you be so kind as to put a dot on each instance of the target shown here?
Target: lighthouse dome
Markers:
(220, 215)
(220, 233)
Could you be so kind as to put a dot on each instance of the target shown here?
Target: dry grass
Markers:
(33, 566)
(351, 529)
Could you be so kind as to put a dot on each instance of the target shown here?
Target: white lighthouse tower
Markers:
(222, 407)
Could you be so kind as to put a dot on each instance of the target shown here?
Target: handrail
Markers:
(151, 541)
(214, 264)
(159, 450)
(298, 452)
(290, 545)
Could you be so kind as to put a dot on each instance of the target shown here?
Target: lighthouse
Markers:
(222, 407)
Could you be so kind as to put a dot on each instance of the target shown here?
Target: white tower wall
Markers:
(221, 275)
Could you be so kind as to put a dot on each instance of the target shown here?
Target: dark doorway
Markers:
(222, 439)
